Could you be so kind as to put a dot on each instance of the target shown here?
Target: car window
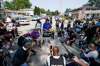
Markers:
(17, 18)
(23, 19)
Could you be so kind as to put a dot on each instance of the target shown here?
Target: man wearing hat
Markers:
(21, 55)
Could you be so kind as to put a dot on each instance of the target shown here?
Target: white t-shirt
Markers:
(60, 24)
(93, 54)
(38, 25)
(8, 19)
(65, 23)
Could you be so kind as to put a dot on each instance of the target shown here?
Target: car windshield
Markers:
(35, 16)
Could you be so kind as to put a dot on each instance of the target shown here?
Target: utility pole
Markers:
(1, 4)
(61, 6)
(1, 9)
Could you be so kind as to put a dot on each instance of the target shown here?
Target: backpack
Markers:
(59, 61)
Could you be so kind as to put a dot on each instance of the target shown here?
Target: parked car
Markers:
(35, 18)
(22, 21)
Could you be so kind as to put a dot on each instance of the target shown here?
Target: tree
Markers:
(56, 12)
(95, 3)
(67, 10)
(37, 10)
(42, 10)
(17, 4)
(48, 12)
(22, 4)
(52, 13)
(9, 5)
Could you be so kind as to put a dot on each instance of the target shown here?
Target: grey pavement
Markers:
(43, 52)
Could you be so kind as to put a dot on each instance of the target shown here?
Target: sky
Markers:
(60, 5)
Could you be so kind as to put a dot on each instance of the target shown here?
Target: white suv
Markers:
(22, 21)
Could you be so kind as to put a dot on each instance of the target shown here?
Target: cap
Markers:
(28, 41)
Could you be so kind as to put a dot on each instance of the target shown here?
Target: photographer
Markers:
(92, 56)
(22, 54)
(93, 52)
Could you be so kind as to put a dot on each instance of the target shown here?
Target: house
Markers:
(28, 12)
(86, 12)
(24, 12)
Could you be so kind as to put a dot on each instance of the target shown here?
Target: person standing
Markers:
(38, 25)
(47, 25)
(93, 53)
(57, 26)
(98, 27)
(21, 41)
(10, 26)
(56, 59)
(62, 25)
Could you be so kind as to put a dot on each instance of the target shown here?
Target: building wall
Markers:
(86, 12)
(81, 14)
(28, 11)
(20, 12)
(75, 14)
(93, 13)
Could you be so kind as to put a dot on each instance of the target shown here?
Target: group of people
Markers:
(84, 35)
(8, 31)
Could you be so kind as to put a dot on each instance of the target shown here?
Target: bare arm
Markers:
(80, 61)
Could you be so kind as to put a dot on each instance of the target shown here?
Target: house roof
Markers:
(87, 7)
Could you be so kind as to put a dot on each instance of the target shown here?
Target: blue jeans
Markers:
(25, 64)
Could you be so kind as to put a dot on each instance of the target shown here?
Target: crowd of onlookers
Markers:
(84, 35)
(8, 31)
